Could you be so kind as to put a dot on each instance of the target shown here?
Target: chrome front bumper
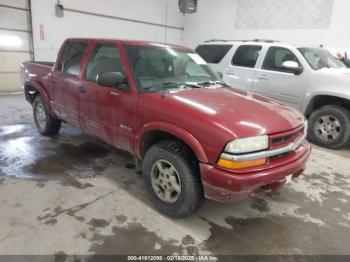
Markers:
(268, 153)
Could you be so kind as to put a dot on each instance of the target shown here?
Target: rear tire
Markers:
(46, 124)
(329, 127)
(169, 166)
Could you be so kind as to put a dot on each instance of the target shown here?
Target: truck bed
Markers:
(38, 71)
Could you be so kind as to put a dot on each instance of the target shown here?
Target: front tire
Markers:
(329, 127)
(172, 179)
(46, 124)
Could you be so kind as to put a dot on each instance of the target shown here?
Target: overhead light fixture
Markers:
(188, 6)
(59, 10)
(10, 41)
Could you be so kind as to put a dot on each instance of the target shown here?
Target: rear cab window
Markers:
(71, 57)
(213, 54)
(246, 56)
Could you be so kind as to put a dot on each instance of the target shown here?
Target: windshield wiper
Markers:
(193, 85)
(188, 84)
(210, 83)
(173, 83)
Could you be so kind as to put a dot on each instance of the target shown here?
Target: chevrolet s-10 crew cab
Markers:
(196, 137)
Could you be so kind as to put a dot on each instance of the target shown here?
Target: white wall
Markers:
(15, 42)
(216, 19)
(56, 29)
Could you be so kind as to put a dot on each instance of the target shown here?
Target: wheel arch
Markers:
(155, 132)
(319, 101)
(32, 90)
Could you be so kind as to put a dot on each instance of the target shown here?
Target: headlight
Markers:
(246, 145)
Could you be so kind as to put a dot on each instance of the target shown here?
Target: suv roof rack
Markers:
(265, 40)
(254, 40)
(219, 40)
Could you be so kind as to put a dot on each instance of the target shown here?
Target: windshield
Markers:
(160, 67)
(320, 58)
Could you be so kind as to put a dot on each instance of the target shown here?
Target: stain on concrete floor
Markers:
(273, 234)
(133, 238)
(73, 188)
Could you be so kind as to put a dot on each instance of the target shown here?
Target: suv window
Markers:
(71, 58)
(104, 58)
(276, 56)
(246, 55)
(213, 54)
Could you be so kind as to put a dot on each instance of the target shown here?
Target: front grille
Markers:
(283, 139)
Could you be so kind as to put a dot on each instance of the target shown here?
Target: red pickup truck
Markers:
(196, 136)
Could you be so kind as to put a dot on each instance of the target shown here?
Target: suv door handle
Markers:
(263, 77)
(230, 73)
(82, 89)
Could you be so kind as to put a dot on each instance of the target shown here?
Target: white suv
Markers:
(306, 78)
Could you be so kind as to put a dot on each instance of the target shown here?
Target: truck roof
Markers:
(131, 42)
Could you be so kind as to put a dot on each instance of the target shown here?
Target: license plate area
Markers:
(288, 179)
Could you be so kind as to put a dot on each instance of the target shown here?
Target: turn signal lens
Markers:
(229, 164)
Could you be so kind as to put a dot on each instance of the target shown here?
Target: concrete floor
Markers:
(70, 195)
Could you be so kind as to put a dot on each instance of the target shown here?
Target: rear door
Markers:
(65, 82)
(241, 70)
(107, 112)
(273, 81)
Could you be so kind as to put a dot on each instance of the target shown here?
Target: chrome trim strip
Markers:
(291, 147)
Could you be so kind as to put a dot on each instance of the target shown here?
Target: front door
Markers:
(240, 73)
(273, 81)
(107, 112)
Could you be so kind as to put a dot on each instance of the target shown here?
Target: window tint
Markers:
(71, 58)
(104, 58)
(246, 55)
(213, 53)
(276, 56)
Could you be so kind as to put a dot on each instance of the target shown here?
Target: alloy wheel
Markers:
(165, 181)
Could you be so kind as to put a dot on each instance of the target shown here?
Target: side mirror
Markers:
(293, 67)
(111, 79)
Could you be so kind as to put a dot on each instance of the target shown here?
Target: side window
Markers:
(104, 58)
(246, 55)
(213, 54)
(276, 56)
(71, 58)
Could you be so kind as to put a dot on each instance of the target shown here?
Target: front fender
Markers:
(174, 130)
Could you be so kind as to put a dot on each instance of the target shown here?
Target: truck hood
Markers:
(240, 113)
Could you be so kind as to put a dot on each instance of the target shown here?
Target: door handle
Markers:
(231, 73)
(82, 89)
(54, 81)
(263, 77)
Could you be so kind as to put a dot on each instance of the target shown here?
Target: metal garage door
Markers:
(15, 42)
